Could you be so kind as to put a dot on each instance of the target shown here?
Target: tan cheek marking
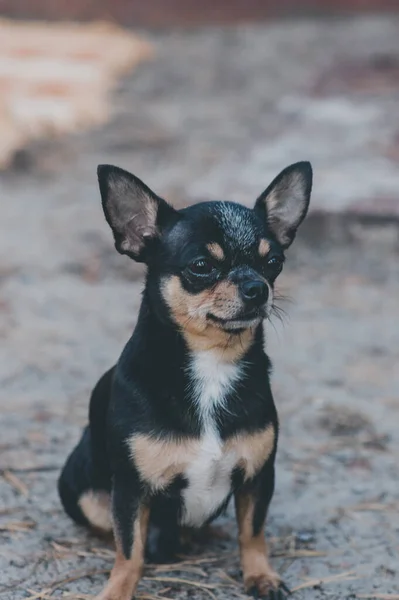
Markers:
(126, 573)
(96, 506)
(253, 450)
(222, 300)
(216, 251)
(174, 296)
(160, 461)
(264, 248)
(189, 311)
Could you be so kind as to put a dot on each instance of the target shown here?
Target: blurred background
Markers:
(203, 100)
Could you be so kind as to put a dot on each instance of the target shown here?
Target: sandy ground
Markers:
(68, 303)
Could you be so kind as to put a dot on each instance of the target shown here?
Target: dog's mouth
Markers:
(240, 322)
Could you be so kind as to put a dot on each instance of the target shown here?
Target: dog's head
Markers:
(214, 264)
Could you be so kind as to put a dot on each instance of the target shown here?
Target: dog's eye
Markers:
(201, 266)
(275, 263)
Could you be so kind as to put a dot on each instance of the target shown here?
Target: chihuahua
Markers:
(186, 420)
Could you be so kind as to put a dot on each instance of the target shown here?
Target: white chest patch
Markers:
(209, 473)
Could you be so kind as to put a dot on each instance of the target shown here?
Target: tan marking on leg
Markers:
(126, 573)
(216, 251)
(255, 564)
(160, 461)
(252, 449)
(264, 248)
(96, 506)
(190, 313)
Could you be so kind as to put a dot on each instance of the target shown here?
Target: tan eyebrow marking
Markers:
(216, 251)
(264, 247)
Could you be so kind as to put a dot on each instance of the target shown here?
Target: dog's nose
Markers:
(254, 291)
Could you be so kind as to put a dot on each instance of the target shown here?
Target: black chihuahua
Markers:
(186, 418)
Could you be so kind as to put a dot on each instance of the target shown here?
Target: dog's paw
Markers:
(267, 587)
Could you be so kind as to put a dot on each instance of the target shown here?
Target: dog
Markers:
(186, 419)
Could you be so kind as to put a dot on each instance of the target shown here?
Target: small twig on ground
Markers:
(15, 482)
(77, 596)
(223, 575)
(19, 582)
(9, 511)
(298, 554)
(64, 551)
(150, 597)
(103, 552)
(75, 576)
(181, 566)
(187, 559)
(379, 596)
(39, 469)
(207, 587)
(18, 526)
(46, 594)
(373, 506)
(43, 595)
(316, 582)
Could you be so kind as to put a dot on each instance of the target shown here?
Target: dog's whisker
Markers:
(283, 297)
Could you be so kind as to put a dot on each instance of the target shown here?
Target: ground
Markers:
(219, 112)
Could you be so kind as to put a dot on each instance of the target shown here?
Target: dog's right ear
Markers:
(135, 214)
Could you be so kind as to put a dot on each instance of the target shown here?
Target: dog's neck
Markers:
(226, 346)
(191, 376)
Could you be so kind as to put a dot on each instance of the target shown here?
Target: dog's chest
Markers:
(206, 462)
(208, 478)
(208, 474)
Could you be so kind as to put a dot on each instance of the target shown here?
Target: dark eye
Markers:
(275, 263)
(201, 266)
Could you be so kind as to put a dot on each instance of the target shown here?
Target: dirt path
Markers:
(68, 303)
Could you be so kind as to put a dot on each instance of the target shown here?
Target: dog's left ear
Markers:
(135, 214)
(285, 202)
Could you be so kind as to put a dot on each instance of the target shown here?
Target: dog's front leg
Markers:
(130, 519)
(252, 502)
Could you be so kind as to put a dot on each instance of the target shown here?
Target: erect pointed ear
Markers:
(135, 214)
(285, 202)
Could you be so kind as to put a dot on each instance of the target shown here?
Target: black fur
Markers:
(149, 391)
